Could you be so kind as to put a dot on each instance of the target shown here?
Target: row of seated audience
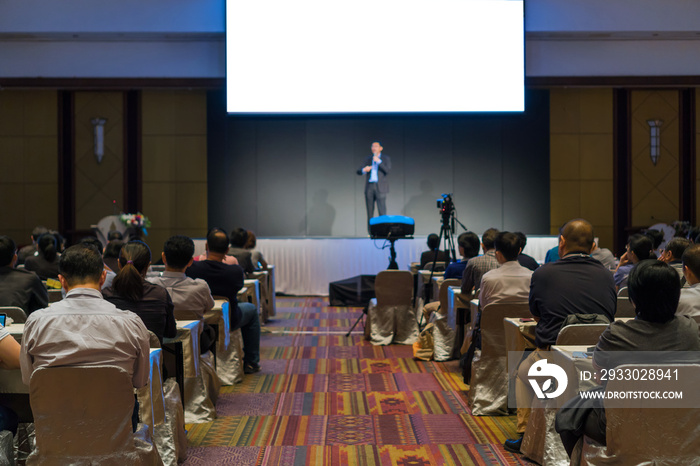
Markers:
(585, 279)
(107, 312)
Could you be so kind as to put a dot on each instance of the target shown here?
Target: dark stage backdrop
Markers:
(295, 176)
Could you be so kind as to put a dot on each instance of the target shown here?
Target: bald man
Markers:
(575, 284)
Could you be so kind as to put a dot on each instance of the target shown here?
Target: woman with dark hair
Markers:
(429, 256)
(130, 291)
(111, 254)
(45, 264)
(256, 256)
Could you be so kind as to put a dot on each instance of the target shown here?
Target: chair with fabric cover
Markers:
(581, 334)
(229, 355)
(15, 313)
(624, 307)
(438, 266)
(82, 415)
(488, 391)
(643, 431)
(444, 324)
(391, 317)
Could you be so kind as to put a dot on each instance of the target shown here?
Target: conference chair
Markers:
(444, 324)
(623, 292)
(15, 313)
(55, 296)
(439, 266)
(229, 365)
(488, 391)
(82, 415)
(643, 431)
(624, 307)
(391, 317)
(581, 334)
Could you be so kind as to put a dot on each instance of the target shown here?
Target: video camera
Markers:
(446, 206)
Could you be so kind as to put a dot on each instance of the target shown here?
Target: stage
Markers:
(305, 266)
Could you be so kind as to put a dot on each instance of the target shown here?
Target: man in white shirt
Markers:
(188, 294)
(689, 303)
(84, 329)
(510, 282)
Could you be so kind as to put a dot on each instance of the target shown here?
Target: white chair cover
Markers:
(391, 317)
(444, 331)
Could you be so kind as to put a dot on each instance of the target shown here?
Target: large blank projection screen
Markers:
(369, 56)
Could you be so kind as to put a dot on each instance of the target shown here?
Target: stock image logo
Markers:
(553, 373)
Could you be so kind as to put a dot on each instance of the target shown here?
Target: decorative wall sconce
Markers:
(655, 144)
(98, 137)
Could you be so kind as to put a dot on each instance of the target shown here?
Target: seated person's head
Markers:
(654, 290)
(251, 241)
(81, 265)
(60, 240)
(92, 241)
(38, 231)
(523, 240)
(217, 241)
(488, 238)
(674, 249)
(639, 248)
(178, 252)
(239, 236)
(113, 249)
(134, 259)
(693, 233)
(576, 236)
(115, 235)
(47, 246)
(468, 244)
(433, 241)
(656, 237)
(8, 251)
(507, 247)
(691, 264)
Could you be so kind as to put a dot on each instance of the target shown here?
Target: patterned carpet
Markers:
(326, 399)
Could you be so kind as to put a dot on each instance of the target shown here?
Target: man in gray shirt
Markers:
(84, 329)
(187, 294)
(689, 303)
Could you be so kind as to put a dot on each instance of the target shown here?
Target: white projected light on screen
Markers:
(361, 56)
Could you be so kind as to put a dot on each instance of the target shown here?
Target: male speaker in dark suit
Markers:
(376, 168)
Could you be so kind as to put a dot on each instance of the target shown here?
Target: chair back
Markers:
(623, 292)
(627, 443)
(82, 410)
(55, 295)
(153, 341)
(624, 307)
(438, 266)
(394, 288)
(442, 295)
(492, 328)
(186, 314)
(581, 334)
(15, 313)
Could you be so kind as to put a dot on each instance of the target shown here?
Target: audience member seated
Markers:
(230, 260)
(44, 264)
(20, 288)
(575, 284)
(468, 244)
(552, 255)
(604, 256)
(130, 291)
(239, 238)
(639, 248)
(111, 254)
(227, 280)
(9, 359)
(657, 238)
(115, 235)
(83, 328)
(257, 257)
(186, 293)
(523, 259)
(689, 303)
(673, 255)
(694, 235)
(60, 241)
(654, 290)
(479, 265)
(95, 243)
(429, 256)
(30, 250)
(509, 283)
